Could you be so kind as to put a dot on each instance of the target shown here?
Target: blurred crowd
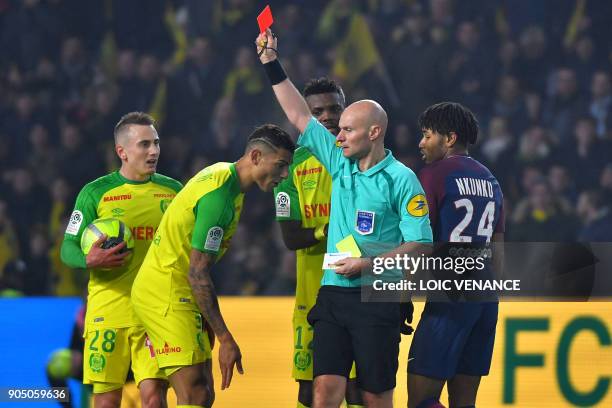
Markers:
(536, 73)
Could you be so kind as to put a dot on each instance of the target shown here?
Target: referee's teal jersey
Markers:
(381, 207)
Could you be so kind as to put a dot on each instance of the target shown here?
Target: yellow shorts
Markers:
(109, 352)
(302, 349)
(178, 338)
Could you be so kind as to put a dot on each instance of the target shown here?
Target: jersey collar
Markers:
(377, 167)
(128, 181)
(236, 180)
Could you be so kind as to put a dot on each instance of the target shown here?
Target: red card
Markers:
(265, 19)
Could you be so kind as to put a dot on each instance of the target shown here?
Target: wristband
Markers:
(275, 72)
(319, 232)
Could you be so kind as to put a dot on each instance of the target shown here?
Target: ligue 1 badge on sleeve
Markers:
(365, 222)
(283, 205)
(214, 238)
(76, 219)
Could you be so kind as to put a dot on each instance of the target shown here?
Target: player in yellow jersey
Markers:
(135, 194)
(302, 209)
(173, 290)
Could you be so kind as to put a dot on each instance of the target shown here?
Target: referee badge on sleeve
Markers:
(365, 222)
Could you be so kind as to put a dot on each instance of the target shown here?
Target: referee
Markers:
(373, 197)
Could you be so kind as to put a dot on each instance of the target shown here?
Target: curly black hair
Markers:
(447, 117)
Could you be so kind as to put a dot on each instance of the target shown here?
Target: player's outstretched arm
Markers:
(203, 290)
(288, 96)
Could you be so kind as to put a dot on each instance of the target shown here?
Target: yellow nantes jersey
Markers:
(305, 196)
(140, 205)
(203, 216)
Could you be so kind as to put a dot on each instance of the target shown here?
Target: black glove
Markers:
(406, 311)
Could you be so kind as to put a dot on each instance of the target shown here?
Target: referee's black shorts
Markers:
(347, 330)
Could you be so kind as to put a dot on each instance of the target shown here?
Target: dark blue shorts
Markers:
(453, 338)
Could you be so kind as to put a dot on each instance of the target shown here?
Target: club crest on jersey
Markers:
(97, 362)
(283, 205)
(76, 218)
(365, 222)
(213, 239)
(302, 360)
(163, 204)
(417, 206)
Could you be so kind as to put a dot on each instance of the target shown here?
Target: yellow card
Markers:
(348, 244)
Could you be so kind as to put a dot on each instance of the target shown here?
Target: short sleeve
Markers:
(213, 215)
(287, 200)
(84, 213)
(413, 210)
(322, 144)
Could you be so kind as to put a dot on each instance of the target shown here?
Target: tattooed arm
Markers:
(204, 293)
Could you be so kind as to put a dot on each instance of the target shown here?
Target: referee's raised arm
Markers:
(288, 96)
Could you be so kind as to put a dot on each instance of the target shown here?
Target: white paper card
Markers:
(331, 258)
